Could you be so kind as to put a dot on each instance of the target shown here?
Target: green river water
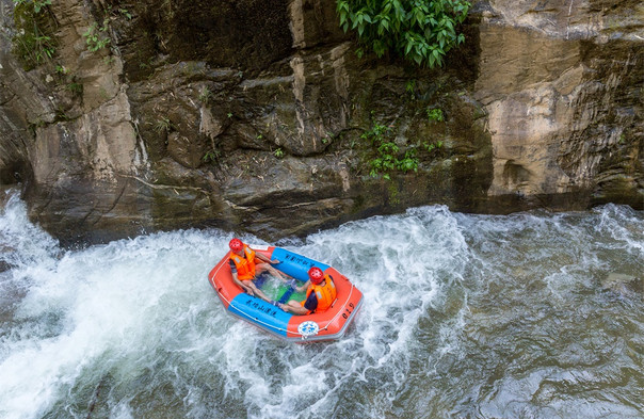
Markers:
(530, 315)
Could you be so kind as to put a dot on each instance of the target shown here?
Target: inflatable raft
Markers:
(328, 325)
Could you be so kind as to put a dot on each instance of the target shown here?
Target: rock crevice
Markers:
(257, 117)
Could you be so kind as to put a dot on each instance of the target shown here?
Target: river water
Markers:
(465, 316)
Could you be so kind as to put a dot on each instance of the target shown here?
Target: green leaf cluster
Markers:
(388, 153)
(34, 42)
(279, 153)
(422, 31)
(211, 156)
(435, 115)
(37, 5)
(95, 38)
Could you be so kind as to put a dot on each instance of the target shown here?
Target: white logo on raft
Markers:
(308, 328)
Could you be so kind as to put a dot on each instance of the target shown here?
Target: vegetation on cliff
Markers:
(34, 42)
(422, 31)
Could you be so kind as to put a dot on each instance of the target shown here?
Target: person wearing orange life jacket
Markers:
(246, 265)
(320, 294)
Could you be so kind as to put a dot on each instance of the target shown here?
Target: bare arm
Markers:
(295, 310)
(304, 287)
(265, 259)
(273, 271)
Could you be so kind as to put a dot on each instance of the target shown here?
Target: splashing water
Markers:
(465, 316)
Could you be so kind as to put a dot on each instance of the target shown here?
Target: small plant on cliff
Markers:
(435, 115)
(95, 37)
(422, 31)
(387, 153)
(75, 87)
(429, 147)
(386, 160)
(410, 89)
(34, 42)
(126, 13)
(211, 155)
(409, 162)
(38, 5)
(205, 95)
(163, 125)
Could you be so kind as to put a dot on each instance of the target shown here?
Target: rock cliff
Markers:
(119, 117)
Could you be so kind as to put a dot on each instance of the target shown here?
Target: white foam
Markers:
(141, 316)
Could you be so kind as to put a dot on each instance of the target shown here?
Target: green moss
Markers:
(394, 194)
(358, 204)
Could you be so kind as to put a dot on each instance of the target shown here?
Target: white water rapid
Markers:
(465, 316)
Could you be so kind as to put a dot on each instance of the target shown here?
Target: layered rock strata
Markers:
(257, 116)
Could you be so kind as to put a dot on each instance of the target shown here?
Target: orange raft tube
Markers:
(330, 324)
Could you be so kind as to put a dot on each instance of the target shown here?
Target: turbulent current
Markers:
(531, 315)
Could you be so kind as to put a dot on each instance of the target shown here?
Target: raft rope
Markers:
(230, 303)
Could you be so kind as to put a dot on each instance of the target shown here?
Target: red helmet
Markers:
(236, 245)
(316, 275)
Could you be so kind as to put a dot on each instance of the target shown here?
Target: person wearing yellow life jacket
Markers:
(320, 294)
(246, 265)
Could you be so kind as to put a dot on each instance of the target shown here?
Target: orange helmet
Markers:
(316, 275)
(236, 245)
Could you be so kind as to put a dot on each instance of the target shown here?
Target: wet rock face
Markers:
(258, 116)
(560, 85)
(248, 35)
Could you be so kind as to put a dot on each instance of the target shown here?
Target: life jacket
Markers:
(326, 294)
(245, 266)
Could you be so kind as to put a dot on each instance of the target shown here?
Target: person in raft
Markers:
(246, 266)
(320, 294)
